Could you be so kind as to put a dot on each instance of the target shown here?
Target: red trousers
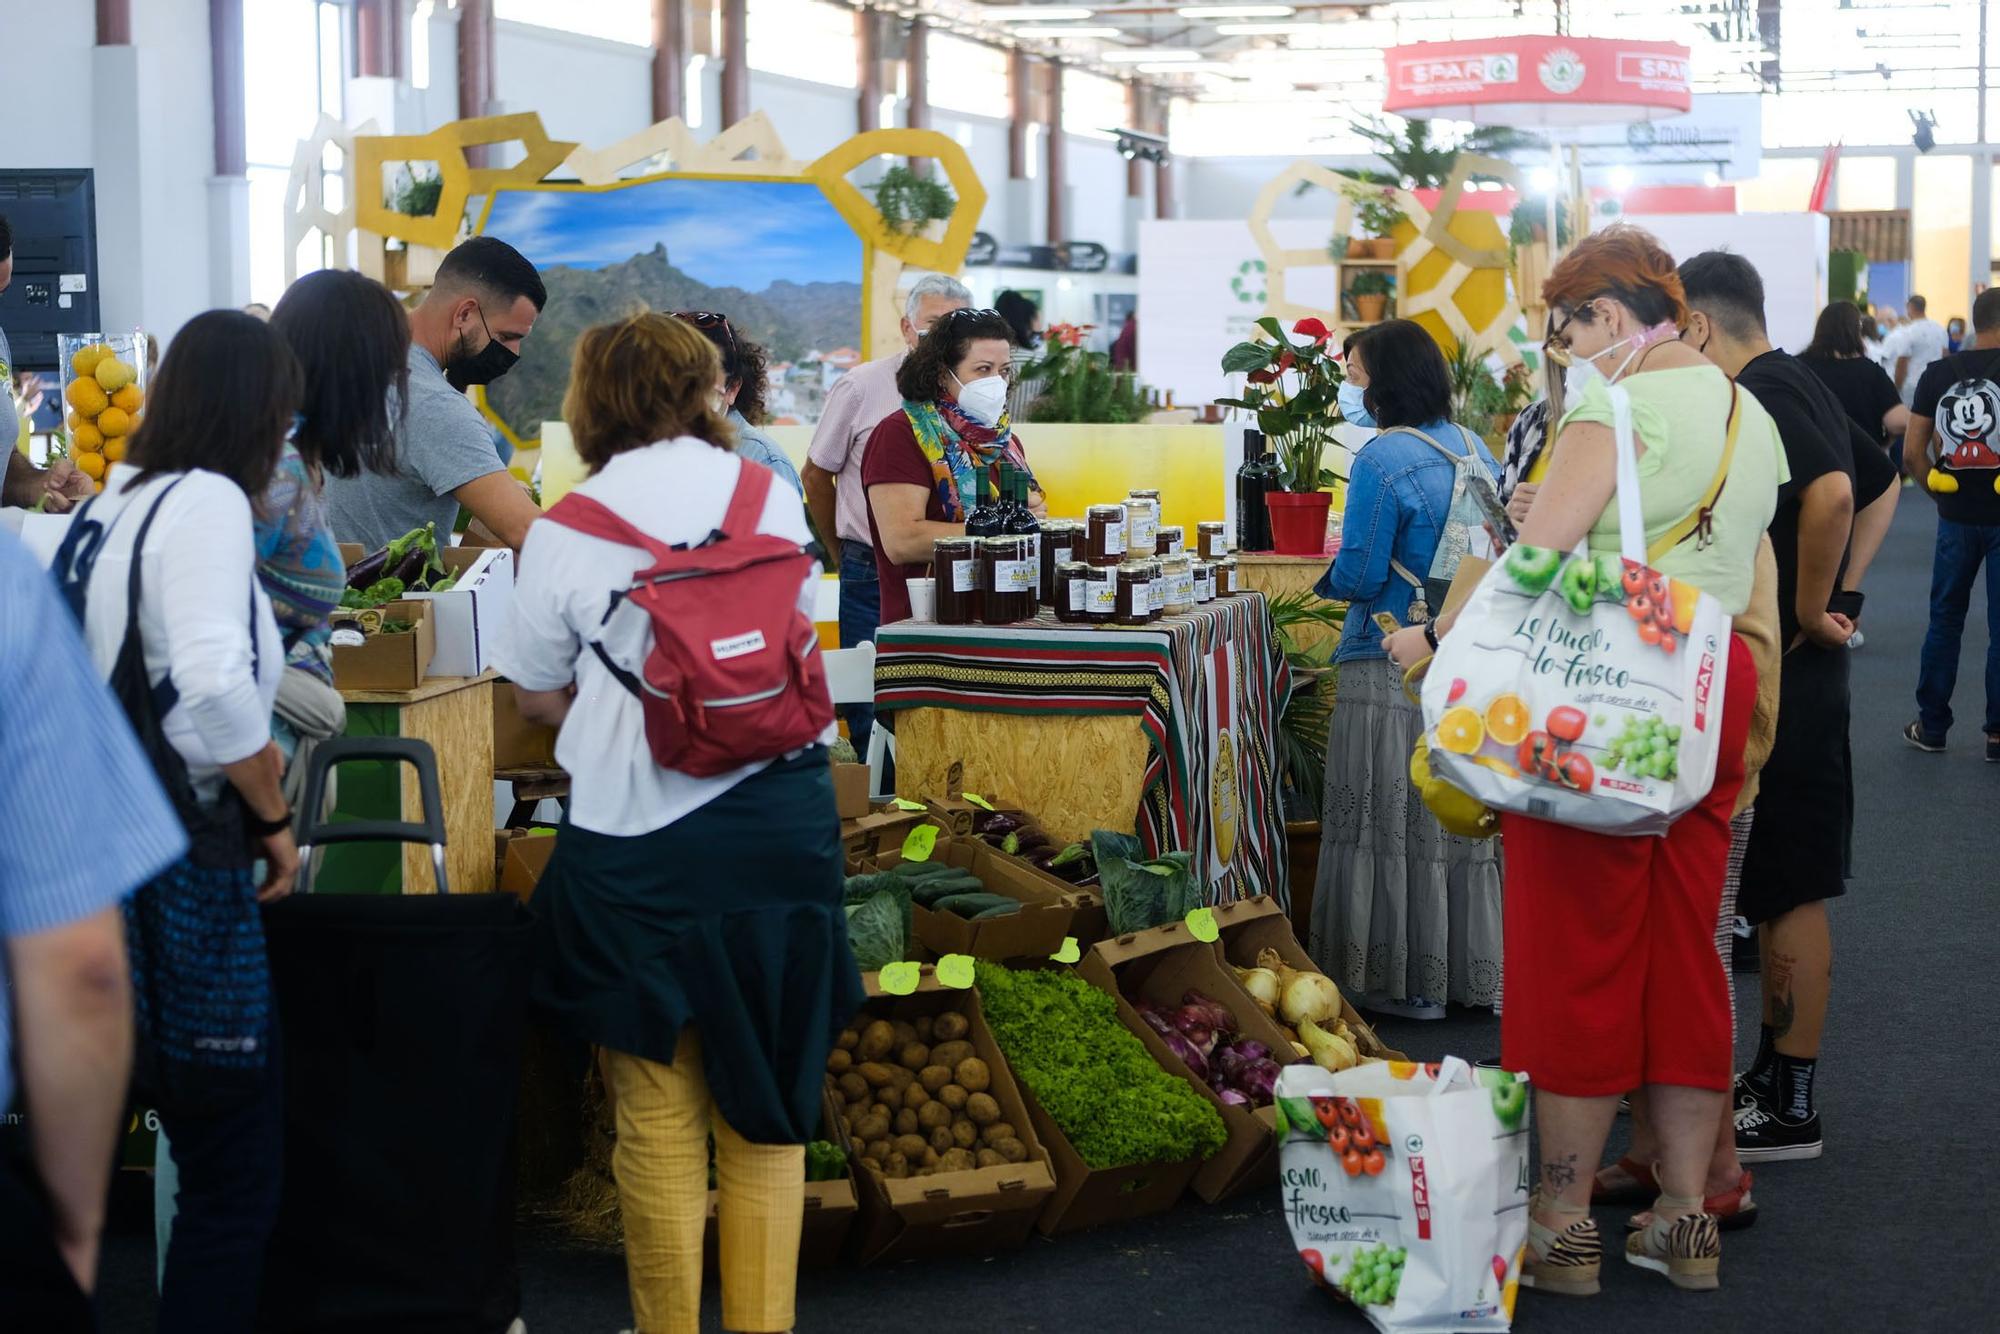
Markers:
(1612, 975)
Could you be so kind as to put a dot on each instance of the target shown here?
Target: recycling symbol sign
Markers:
(1248, 284)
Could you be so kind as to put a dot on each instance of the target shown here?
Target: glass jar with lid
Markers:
(1010, 575)
(1225, 578)
(1072, 592)
(1212, 540)
(1171, 540)
(1142, 522)
(955, 562)
(1177, 578)
(1062, 542)
(1104, 536)
(1204, 581)
(1135, 593)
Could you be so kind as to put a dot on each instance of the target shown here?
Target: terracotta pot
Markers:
(1382, 247)
(1370, 306)
(1298, 521)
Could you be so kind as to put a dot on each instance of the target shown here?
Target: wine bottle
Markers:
(1254, 479)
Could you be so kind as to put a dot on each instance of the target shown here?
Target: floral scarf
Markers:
(957, 446)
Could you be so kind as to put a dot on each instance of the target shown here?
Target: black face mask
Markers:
(485, 366)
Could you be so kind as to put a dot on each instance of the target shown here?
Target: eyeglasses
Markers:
(966, 313)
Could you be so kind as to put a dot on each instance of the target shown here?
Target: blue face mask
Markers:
(1351, 405)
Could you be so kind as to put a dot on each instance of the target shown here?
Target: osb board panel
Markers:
(1075, 774)
(1276, 578)
(459, 727)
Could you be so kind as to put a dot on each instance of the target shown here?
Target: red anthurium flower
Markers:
(1262, 377)
(1312, 328)
(1287, 361)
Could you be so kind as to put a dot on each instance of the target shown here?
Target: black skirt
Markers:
(729, 919)
(1799, 842)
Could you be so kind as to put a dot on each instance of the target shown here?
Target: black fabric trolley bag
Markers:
(401, 1026)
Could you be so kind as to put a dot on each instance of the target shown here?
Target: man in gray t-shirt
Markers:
(467, 330)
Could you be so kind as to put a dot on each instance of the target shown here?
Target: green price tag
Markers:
(900, 979)
(977, 800)
(955, 970)
(905, 804)
(1201, 924)
(917, 847)
(1069, 953)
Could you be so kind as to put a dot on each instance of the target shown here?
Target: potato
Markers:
(904, 1033)
(931, 1158)
(883, 1110)
(924, 1028)
(958, 1160)
(952, 1096)
(951, 1053)
(934, 1077)
(915, 1056)
(877, 1041)
(877, 1150)
(853, 1087)
(981, 1109)
(1011, 1149)
(848, 1040)
(971, 1074)
(995, 1132)
(839, 1062)
(896, 1167)
(941, 1139)
(950, 1027)
(911, 1147)
(934, 1114)
(915, 1097)
(988, 1158)
(964, 1134)
(872, 1128)
(906, 1122)
(877, 1074)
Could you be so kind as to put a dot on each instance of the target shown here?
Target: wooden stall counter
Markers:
(1276, 576)
(455, 715)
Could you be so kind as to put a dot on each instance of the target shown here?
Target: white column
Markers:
(1981, 258)
(228, 241)
(118, 171)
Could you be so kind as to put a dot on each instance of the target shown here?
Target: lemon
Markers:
(87, 396)
(131, 398)
(86, 439)
(114, 374)
(114, 449)
(74, 421)
(90, 465)
(114, 421)
(84, 360)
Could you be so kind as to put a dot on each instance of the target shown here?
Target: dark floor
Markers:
(1890, 1231)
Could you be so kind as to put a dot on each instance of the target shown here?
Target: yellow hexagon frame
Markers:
(446, 146)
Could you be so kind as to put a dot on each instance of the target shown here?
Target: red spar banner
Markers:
(1538, 79)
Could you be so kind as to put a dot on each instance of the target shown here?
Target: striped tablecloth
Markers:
(1207, 686)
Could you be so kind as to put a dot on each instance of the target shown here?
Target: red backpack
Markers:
(734, 675)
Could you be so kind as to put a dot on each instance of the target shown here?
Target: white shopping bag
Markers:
(1406, 1188)
(1583, 689)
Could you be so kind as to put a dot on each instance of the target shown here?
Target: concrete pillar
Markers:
(1906, 180)
(1018, 114)
(121, 174)
(1135, 119)
(735, 62)
(1054, 158)
(1164, 204)
(669, 59)
(114, 22)
(867, 70)
(229, 188)
(475, 70)
(373, 38)
(916, 63)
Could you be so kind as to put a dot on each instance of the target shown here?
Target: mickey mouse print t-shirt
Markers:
(1961, 396)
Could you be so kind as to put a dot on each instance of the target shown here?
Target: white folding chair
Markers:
(850, 679)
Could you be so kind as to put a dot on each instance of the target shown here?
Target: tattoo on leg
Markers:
(1780, 1008)
(1560, 1173)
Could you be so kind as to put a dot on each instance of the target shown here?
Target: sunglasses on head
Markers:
(708, 321)
(965, 313)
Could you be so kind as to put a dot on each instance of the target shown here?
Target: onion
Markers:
(1219, 1017)
(1158, 1019)
(1262, 984)
(1303, 997)
(1259, 1079)
(1186, 1050)
(1233, 1098)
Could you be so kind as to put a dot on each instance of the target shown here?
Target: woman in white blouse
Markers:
(691, 925)
(162, 570)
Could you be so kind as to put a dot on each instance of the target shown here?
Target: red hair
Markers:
(1623, 262)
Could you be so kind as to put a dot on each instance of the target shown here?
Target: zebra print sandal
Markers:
(1688, 1250)
(1566, 1263)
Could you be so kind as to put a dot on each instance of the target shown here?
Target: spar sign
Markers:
(1539, 79)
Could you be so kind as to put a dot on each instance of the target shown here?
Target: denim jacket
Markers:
(1398, 498)
(752, 443)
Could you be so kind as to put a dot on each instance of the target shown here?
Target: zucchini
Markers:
(928, 892)
(923, 870)
(968, 905)
(1007, 909)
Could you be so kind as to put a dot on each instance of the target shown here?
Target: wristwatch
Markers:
(1431, 635)
(263, 828)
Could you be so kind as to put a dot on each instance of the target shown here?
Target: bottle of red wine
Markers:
(1255, 479)
(1017, 517)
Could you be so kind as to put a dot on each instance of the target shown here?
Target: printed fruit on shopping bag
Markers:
(1405, 1188)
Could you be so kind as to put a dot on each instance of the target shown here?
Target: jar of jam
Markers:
(1142, 522)
(1009, 575)
(1157, 578)
(1171, 540)
(1062, 542)
(1135, 593)
(1177, 577)
(1100, 596)
(1072, 592)
(955, 562)
(1225, 578)
(1212, 540)
(1104, 536)
(1204, 581)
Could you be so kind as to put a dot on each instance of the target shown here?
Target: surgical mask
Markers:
(485, 366)
(984, 400)
(1578, 375)
(1353, 405)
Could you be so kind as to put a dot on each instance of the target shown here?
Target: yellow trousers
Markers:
(664, 1117)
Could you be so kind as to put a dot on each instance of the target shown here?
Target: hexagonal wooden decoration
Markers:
(944, 254)
(671, 141)
(446, 146)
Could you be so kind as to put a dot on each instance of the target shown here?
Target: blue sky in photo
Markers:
(746, 234)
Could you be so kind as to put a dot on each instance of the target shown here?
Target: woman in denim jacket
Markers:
(1405, 915)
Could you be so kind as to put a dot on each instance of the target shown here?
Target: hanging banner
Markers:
(1538, 80)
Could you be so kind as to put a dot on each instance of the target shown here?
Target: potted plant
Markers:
(1377, 213)
(1308, 628)
(1071, 383)
(1371, 291)
(1293, 388)
(909, 200)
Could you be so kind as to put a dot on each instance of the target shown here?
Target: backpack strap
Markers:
(746, 504)
(593, 518)
(1700, 522)
(1433, 443)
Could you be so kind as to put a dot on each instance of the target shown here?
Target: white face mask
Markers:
(984, 400)
(1581, 373)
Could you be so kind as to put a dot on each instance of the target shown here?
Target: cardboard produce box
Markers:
(1160, 965)
(977, 1212)
(389, 661)
(1087, 1197)
(957, 814)
(1251, 925)
(1035, 932)
(527, 858)
(850, 790)
(880, 831)
(518, 743)
(831, 1207)
(471, 616)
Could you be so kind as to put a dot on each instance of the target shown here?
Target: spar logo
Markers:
(1561, 71)
(1420, 1198)
(1466, 74)
(1669, 73)
(1704, 681)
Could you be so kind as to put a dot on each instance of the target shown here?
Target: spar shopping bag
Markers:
(1406, 1188)
(1585, 689)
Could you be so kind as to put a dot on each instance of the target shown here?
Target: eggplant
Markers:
(995, 822)
(368, 570)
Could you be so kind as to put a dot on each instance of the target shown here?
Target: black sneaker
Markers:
(1748, 1094)
(1993, 747)
(1930, 745)
(1765, 1137)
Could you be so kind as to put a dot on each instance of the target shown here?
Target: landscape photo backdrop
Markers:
(773, 256)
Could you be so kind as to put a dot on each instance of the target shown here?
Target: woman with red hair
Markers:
(1613, 979)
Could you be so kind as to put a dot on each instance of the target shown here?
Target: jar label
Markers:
(965, 576)
(1204, 588)
(1077, 600)
(1144, 531)
(1114, 538)
(1101, 597)
(1218, 545)
(1182, 592)
(1175, 547)
(1016, 576)
(1156, 594)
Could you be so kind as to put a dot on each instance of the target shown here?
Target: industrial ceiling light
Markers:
(1236, 12)
(1147, 55)
(1063, 31)
(1263, 29)
(1034, 13)
(1140, 145)
(1923, 137)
